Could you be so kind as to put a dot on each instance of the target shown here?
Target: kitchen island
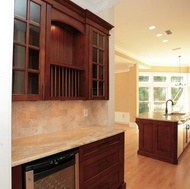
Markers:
(159, 135)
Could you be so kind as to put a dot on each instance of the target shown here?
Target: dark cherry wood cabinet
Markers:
(60, 52)
(17, 177)
(65, 54)
(28, 50)
(101, 164)
(98, 57)
(158, 139)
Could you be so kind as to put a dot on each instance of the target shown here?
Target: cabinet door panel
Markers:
(98, 81)
(101, 146)
(99, 164)
(158, 139)
(29, 50)
(111, 180)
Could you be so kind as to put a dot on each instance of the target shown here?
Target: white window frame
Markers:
(151, 84)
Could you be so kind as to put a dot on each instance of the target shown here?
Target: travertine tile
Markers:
(37, 117)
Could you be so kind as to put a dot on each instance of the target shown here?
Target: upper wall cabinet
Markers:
(28, 50)
(98, 34)
(60, 52)
(65, 55)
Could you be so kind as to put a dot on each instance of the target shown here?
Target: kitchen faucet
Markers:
(166, 110)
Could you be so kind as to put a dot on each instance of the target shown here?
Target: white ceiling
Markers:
(135, 41)
(133, 38)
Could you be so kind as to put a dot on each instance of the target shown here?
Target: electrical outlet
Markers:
(85, 112)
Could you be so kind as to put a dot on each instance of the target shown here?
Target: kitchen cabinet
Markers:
(158, 139)
(17, 177)
(28, 50)
(60, 52)
(98, 57)
(66, 61)
(101, 164)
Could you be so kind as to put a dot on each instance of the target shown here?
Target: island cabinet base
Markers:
(101, 164)
(158, 139)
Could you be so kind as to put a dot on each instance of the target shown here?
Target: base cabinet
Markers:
(158, 139)
(17, 177)
(101, 164)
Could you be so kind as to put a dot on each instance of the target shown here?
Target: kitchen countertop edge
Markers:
(31, 148)
(160, 116)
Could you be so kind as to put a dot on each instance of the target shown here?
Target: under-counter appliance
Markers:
(59, 171)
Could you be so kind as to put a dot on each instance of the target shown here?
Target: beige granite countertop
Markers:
(162, 117)
(34, 147)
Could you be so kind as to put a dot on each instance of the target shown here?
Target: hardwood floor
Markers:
(146, 173)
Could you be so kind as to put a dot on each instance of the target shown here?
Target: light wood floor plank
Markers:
(146, 173)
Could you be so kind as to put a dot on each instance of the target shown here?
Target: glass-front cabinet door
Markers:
(28, 50)
(99, 65)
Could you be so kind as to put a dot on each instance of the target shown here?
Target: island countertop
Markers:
(30, 148)
(162, 117)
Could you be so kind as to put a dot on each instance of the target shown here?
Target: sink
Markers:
(175, 114)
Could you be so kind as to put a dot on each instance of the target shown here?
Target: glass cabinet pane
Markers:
(95, 38)
(33, 80)
(33, 59)
(18, 82)
(19, 55)
(34, 36)
(34, 12)
(20, 8)
(101, 88)
(95, 55)
(19, 31)
(101, 72)
(101, 41)
(101, 57)
(94, 71)
(94, 88)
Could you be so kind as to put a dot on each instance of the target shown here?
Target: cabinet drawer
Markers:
(112, 180)
(99, 147)
(100, 165)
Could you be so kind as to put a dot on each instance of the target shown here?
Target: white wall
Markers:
(6, 41)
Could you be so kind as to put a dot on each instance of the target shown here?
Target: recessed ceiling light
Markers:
(159, 35)
(165, 40)
(152, 27)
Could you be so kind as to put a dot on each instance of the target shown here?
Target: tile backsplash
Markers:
(38, 117)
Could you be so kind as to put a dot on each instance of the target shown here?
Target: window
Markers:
(156, 88)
